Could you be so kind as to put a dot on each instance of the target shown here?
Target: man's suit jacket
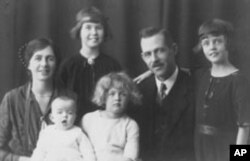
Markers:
(166, 130)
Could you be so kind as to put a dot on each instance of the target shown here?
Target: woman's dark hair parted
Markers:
(26, 52)
(39, 44)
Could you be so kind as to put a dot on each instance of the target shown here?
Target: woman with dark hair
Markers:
(24, 110)
(80, 72)
(222, 96)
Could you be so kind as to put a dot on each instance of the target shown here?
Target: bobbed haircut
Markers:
(90, 14)
(119, 80)
(151, 31)
(215, 27)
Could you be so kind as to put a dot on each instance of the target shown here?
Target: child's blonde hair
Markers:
(118, 80)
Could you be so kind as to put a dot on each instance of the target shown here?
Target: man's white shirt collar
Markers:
(168, 82)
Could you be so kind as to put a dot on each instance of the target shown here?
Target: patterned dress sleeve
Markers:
(5, 130)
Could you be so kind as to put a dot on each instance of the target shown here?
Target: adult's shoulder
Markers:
(185, 72)
(185, 75)
(19, 92)
(149, 81)
(148, 90)
(13, 100)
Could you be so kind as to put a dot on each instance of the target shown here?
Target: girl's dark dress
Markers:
(79, 76)
(222, 105)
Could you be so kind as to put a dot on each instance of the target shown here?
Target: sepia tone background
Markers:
(23, 20)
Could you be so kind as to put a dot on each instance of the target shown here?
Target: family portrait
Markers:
(124, 80)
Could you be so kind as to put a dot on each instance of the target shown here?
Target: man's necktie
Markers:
(163, 89)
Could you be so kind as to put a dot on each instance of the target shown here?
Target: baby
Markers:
(63, 141)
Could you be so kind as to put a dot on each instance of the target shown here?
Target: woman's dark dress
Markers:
(222, 105)
(79, 76)
(20, 122)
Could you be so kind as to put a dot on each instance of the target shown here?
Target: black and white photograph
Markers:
(124, 80)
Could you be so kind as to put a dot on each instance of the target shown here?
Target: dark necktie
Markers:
(163, 89)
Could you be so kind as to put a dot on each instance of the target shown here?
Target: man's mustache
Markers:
(156, 64)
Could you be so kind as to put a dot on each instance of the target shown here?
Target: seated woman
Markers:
(25, 109)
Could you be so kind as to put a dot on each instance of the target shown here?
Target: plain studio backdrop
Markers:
(23, 20)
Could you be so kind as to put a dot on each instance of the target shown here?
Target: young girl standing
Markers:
(222, 98)
(80, 72)
(114, 135)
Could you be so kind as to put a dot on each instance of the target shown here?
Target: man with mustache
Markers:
(166, 118)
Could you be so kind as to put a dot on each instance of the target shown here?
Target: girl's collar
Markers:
(89, 58)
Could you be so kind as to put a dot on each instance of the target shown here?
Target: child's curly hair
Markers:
(118, 80)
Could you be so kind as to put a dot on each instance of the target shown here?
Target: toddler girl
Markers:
(114, 135)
